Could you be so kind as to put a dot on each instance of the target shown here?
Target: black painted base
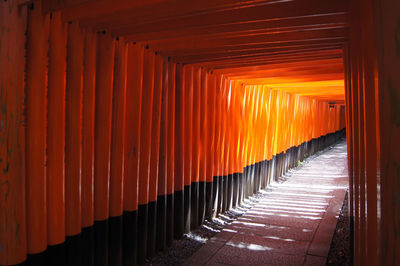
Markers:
(194, 207)
(161, 222)
(100, 244)
(187, 208)
(115, 238)
(130, 222)
(211, 197)
(202, 202)
(152, 229)
(170, 220)
(178, 214)
(142, 233)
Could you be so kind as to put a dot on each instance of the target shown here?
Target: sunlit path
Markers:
(293, 221)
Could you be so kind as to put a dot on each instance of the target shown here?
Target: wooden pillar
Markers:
(88, 109)
(117, 163)
(13, 232)
(56, 131)
(36, 82)
(171, 153)
(102, 148)
(145, 152)
(187, 156)
(207, 192)
(154, 155)
(132, 152)
(162, 183)
(179, 153)
(195, 185)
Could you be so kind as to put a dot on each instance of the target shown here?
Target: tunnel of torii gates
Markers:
(125, 124)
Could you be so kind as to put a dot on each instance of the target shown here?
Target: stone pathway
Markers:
(292, 223)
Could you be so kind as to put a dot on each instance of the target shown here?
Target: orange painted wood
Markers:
(36, 91)
(56, 131)
(175, 14)
(225, 137)
(188, 124)
(13, 232)
(157, 31)
(103, 116)
(179, 128)
(73, 130)
(145, 126)
(171, 129)
(211, 100)
(118, 130)
(217, 130)
(196, 141)
(164, 126)
(203, 125)
(132, 135)
(155, 129)
(88, 112)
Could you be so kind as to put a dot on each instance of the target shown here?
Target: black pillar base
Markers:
(152, 229)
(142, 233)
(115, 243)
(187, 209)
(202, 201)
(170, 220)
(129, 237)
(161, 242)
(194, 207)
(178, 214)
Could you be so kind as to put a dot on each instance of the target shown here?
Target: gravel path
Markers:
(339, 254)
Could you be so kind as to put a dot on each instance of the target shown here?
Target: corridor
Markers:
(293, 221)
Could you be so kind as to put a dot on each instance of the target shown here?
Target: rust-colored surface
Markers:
(36, 106)
(13, 223)
(73, 130)
(55, 186)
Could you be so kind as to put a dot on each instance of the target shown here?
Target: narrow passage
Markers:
(292, 222)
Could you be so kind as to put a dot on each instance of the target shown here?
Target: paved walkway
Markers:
(290, 224)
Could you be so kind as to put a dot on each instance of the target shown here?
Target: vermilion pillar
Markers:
(73, 130)
(88, 109)
(187, 156)
(179, 153)
(145, 151)
(161, 243)
(56, 131)
(171, 152)
(196, 144)
(132, 152)
(36, 82)
(117, 151)
(154, 155)
(102, 148)
(13, 232)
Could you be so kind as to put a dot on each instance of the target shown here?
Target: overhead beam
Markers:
(155, 31)
(211, 43)
(252, 46)
(189, 14)
(309, 63)
(253, 54)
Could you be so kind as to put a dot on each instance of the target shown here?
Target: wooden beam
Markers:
(252, 54)
(161, 31)
(211, 43)
(251, 47)
(189, 14)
